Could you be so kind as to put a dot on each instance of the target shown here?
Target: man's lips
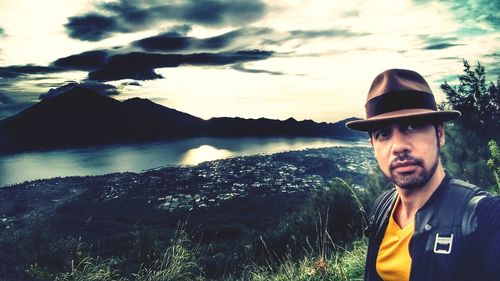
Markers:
(404, 166)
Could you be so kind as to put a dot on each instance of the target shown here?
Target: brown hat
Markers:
(398, 94)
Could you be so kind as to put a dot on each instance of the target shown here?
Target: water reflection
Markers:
(204, 153)
(100, 160)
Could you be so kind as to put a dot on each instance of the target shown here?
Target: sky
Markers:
(248, 58)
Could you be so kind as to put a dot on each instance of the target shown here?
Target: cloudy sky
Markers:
(249, 58)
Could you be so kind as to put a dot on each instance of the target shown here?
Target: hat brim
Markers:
(369, 124)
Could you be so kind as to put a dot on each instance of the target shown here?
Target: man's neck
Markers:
(413, 199)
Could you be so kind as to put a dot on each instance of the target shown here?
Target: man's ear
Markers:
(440, 133)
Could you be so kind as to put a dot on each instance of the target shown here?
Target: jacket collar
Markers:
(424, 215)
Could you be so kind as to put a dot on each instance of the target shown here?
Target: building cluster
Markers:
(210, 183)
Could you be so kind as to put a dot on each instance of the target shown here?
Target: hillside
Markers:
(227, 204)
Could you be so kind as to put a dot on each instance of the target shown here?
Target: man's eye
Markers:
(413, 126)
(381, 134)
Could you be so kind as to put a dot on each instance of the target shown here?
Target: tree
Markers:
(466, 152)
(478, 101)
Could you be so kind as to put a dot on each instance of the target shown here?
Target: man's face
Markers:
(408, 152)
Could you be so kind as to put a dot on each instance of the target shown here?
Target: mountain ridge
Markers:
(82, 117)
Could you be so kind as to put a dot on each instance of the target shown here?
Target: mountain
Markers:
(82, 117)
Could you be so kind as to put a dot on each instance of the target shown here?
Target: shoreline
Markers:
(78, 158)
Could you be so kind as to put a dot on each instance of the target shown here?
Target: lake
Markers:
(107, 159)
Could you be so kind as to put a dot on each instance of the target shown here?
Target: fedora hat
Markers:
(398, 95)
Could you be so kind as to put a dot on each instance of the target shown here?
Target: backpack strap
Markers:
(381, 210)
(469, 218)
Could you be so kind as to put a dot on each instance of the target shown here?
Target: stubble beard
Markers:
(415, 179)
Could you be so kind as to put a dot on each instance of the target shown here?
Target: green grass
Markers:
(340, 265)
(178, 263)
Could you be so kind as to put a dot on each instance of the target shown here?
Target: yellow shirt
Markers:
(393, 259)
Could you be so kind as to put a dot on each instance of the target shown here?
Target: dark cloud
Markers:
(83, 61)
(241, 68)
(212, 12)
(182, 29)
(494, 55)
(92, 27)
(133, 83)
(172, 41)
(440, 46)
(2, 32)
(13, 108)
(13, 101)
(324, 33)
(129, 16)
(4, 99)
(101, 88)
(438, 43)
(494, 71)
(109, 73)
(486, 11)
(15, 71)
(455, 59)
(166, 42)
(140, 66)
(175, 42)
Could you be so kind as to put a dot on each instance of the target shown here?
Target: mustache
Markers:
(405, 159)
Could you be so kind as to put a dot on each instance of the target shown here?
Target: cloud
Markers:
(83, 61)
(438, 43)
(481, 10)
(13, 108)
(133, 83)
(486, 11)
(2, 32)
(494, 71)
(4, 99)
(129, 16)
(324, 33)
(220, 13)
(15, 71)
(181, 29)
(92, 27)
(101, 88)
(440, 46)
(240, 67)
(172, 41)
(254, 36)
(117, 73)
(110, 65)
(140, 66)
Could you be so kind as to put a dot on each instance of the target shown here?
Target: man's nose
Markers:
(400, 142)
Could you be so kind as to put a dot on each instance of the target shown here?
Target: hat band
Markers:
(399, 100)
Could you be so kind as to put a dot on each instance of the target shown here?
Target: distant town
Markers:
(209, 183)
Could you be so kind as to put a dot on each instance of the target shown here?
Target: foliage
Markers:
(145, 244)
(465, 154)
(90, 269)
(494, 164)
(477, 100)
(334, 215)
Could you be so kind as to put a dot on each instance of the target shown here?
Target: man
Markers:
(429, 227)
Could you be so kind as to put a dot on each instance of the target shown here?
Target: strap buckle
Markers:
(443, 243)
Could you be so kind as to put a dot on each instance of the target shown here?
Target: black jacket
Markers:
(457, 234)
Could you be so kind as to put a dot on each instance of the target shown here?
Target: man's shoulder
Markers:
(476, 197)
